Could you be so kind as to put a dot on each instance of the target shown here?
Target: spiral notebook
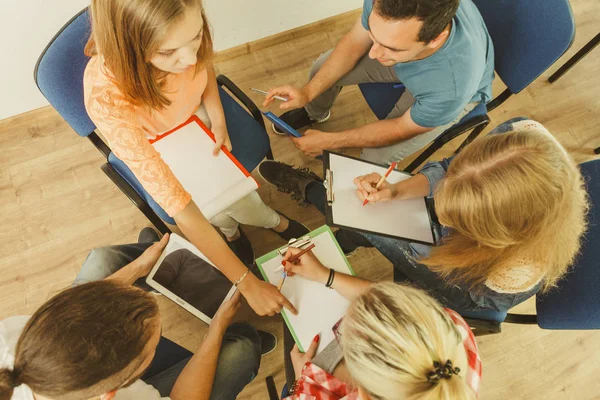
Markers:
(214, 183)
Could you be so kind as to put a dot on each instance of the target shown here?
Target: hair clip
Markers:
(441, 371)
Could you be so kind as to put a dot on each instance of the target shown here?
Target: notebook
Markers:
(403, 219)
(214, 183)
(319, 308)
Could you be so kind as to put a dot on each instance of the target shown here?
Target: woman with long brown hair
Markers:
(511, 209)
(150, 70)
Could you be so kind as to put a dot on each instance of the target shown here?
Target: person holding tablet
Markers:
(511, 209)
(395, 342)
(150, 70)
(98, 339)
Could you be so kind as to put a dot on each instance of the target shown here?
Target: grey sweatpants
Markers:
(368, 71)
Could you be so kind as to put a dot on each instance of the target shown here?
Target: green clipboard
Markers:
(273, 254)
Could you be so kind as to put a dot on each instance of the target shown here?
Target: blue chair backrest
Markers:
(575, 303)
(528, 35)
(59, 73)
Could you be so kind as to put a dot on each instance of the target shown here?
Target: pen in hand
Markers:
(383, 178)
(266, 93)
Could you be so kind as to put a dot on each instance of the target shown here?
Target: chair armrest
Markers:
(458, 130)
(222, 80)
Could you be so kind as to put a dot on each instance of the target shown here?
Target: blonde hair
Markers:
(127, 32)
(392, 335)
(510, 198)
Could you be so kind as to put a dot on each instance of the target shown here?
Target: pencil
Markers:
(383, 178)
(292, 260)
(266, 93)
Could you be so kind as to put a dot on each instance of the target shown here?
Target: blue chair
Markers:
(575, 303)
(524, 48)
(59, 76)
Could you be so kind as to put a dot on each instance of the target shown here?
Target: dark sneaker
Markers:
(297, 119)
(148, 235)
(350, 241)
(242, 248)
(288, 179)
(268, 342)
(294, 230)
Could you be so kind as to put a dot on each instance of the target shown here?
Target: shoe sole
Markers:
(316, 122)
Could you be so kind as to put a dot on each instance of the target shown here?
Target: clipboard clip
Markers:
(297, 243)
(328, 183)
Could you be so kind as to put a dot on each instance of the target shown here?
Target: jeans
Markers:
(239, 358)
(403, 255)
(368, 70)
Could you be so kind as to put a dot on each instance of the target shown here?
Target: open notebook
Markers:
(405, 219)
(319, 308)
(214, 183)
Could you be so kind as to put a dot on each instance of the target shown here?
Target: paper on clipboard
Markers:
(406, 219)
(319, 308)
(214, 183)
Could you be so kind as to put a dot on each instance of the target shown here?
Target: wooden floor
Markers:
(56, 205)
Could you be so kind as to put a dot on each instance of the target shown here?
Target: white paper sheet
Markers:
(403, 218)
(214, 183)
(319, 308)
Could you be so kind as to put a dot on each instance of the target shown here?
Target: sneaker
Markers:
(242, 248)
(350, 241)
(148, 235)
(288, 179)
(298, 119)
(294, 230)
(268, 342)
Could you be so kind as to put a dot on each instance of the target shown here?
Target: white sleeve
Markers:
(139, 390)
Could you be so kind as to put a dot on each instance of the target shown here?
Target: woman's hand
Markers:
(366, 188)
(299, 359)
(307, 266)
(146, 261)
(221, 139)
(263, 297)
(226, 312)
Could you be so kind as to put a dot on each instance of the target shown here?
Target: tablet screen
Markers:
(193, 280)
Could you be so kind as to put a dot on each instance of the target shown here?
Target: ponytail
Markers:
(9, 380)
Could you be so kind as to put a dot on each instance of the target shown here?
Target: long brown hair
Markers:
(392, 335)
(508, 198)
(83, 342)
(126, 33)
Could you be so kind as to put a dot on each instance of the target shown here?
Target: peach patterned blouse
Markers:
(127, 128)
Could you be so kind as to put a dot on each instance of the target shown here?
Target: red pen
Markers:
(383, 178)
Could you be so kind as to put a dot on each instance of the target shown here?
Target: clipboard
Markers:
(308, 297)
(400, 219)
(214, 183)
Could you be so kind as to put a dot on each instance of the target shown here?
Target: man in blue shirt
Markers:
(439, 49)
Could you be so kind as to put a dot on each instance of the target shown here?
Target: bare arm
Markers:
(309, 267)
(349, 50)
(263, 297)
(196, 380)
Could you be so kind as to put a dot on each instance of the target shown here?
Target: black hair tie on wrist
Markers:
(441, 371)
(330, 279)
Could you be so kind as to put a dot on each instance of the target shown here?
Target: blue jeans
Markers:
(239, 358)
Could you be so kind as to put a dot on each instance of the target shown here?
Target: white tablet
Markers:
(187, 277)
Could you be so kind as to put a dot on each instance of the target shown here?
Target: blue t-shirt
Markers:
(460, 72)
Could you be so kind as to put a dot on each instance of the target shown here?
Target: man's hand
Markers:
(226, 312)
(307, 266)
(146, 261)
(367, 191)
(313, 142)
(221, 139)
(263, 297)
(297, 98)
(299, 359)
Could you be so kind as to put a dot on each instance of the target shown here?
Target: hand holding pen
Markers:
(307, 265)
(374, 187)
